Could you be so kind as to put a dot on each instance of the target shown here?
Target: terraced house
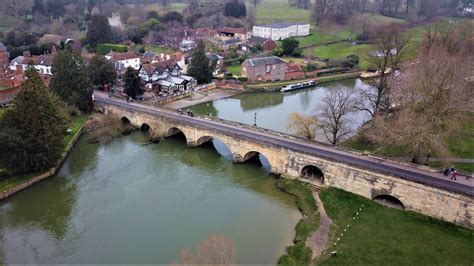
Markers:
(281, 30)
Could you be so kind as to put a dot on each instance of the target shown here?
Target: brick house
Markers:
(264, 69)
(294, 71)
(267, 44)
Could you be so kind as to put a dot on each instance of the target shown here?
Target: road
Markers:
(407, 172)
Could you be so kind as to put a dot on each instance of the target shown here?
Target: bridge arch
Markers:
(145, 127)
(219, 145)
(312, 173)
(125, 120)
(258, 157)
(389, 201)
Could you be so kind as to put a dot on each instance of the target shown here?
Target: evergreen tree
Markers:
(102, 71)
(201, 68)
(71, 81)
(99, 31)
(31, 132)
(235, 9)
(133, 83)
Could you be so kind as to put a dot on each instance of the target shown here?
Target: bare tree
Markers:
(435, 103)
(390, 49)
(215, 250)
(332, 114)
(17, 7)
(303, 126)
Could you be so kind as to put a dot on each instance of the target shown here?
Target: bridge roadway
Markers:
(438, 180)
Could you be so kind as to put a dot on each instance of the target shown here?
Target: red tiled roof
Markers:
(122, 56)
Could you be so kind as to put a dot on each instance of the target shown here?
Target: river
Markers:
(273, 108)
(129, 202)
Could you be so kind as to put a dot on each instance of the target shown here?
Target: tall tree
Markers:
(302, 125)
(435, 102)
(102, 71)
(71, 81)
(201, 68)
(133, 83)
(235, 9)
(99, 31)
(31, 132)
(336, 105)
(390, 49)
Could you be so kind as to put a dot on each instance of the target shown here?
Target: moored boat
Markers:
(297, 86)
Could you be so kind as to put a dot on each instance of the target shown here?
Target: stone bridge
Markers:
(412, 189)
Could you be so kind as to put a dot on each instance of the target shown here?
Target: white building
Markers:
(128, 59)
(281, 30)
(42, 63)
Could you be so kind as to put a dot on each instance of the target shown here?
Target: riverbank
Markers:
(12, 185)
(276, 86)
(213, 95)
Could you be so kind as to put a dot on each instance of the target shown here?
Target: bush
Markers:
(352, 60)
(105, 48)
(243, 79)
(310, 67)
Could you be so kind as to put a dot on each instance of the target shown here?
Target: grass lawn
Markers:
(7, 23)
(270, 11)
(381, 235)
(159, 49)
(342, 50)
(234, 69)
(178, 6)
(75, 125)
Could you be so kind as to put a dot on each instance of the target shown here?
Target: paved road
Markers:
(463, 184)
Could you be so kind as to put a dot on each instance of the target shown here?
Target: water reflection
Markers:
(273, 108)
(127, 202)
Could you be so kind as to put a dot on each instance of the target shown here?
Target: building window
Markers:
(268, 68)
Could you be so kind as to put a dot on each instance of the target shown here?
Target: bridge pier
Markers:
(237, 158)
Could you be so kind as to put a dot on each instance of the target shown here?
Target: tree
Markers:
(71, 81)
(215, 250)
(172, 16)
(390, 49)
(438, 98)
(235, 9)
(290, 46)
(18, 7)
(31, 132)
(102, 71)
(133, 83)
(99, 31)
(201, 68)
(303, 126)
(332, 114)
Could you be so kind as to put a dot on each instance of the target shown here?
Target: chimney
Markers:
(162, 56)
(167, 57)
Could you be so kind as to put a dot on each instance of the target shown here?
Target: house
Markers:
(293, 71)
(266, 43)
(166, 76)
(43, 63)
(281, 30)
(233, 33)
(219, 60)
(124, 60)
(187, 45)
(264, 69)
(230, 43)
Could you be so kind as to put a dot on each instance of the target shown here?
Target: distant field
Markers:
(269, 11)
(178, 6)
(7, 23)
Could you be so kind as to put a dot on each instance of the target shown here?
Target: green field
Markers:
(381, 235)
(270, 11)
(342, 50)
(234, 69)
(7, 23)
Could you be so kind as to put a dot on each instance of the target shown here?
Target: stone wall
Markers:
(438, 203)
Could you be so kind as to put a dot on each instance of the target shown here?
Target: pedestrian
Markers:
(446, 171)
(453, 175)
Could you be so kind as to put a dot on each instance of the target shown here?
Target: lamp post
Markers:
(255, 120)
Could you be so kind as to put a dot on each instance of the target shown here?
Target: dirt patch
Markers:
(318, 240)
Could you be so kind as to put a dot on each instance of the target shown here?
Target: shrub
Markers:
(352, 60)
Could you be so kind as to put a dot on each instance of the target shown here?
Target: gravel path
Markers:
(319, 239)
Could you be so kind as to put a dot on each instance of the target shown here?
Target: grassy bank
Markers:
(299, 253)
(76, 123)
(382, 235)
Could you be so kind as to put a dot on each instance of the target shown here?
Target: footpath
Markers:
(318, 241)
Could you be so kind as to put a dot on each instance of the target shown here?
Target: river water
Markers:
(128, 202)
(273, 108)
